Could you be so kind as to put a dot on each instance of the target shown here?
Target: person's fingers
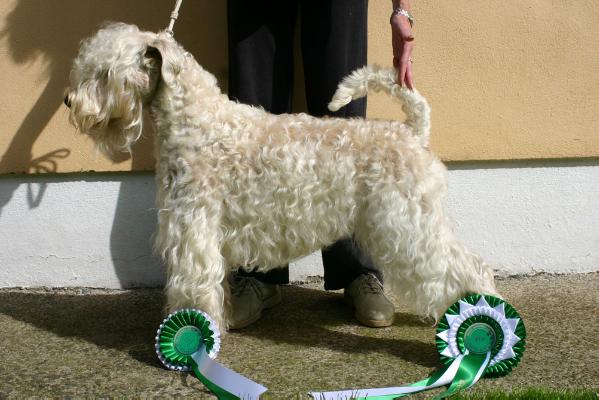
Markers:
(405, 62)
(409, 79)
(402, 43)
(398, 61)
(406, 59)
(401, 78)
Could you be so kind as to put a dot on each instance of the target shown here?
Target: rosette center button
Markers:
(479, 338)
(188, 340)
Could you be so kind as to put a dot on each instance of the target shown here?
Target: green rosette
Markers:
(188, 340)
(182, 334)
(478, 324)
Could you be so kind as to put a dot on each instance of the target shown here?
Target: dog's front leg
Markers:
(189, 244)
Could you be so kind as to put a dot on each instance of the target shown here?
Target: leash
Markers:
(174, 16)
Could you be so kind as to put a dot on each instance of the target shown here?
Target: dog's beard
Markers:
(113, 123)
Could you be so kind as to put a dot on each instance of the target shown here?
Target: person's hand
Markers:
(403, 45)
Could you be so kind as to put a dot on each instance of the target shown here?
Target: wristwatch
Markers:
(402, 12)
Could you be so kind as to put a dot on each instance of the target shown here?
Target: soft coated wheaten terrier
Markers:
(239, 186)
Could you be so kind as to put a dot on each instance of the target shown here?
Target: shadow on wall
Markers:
(50, 31)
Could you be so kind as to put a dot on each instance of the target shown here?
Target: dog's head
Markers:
(116, 73)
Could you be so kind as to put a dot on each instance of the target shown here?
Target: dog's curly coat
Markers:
(239, 186)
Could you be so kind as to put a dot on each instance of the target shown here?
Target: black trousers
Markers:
(333, 43)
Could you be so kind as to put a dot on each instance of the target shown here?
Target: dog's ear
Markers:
(162, 51)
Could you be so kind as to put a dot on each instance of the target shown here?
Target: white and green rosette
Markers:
(481, 325)
(479, 336)
(189, 340)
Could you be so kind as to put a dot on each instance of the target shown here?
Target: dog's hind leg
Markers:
(411, 240)
(188, 240)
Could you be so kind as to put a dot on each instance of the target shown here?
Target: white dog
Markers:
(239, 186)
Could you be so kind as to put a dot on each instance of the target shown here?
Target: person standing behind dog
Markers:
(333, 43)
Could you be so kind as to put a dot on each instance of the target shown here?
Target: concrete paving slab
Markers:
(93, 343)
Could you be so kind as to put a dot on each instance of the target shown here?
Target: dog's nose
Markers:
(67, 102)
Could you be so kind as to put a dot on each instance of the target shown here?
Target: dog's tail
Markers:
(374, 78)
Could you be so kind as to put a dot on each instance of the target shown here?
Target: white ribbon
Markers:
(226, 379)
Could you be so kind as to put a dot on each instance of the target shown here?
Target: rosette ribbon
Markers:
(189, 340)
(479, 336)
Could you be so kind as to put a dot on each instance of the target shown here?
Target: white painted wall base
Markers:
(95, 230)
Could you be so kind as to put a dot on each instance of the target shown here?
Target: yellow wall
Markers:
(506, 79)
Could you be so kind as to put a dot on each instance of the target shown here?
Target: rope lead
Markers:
(174, 16)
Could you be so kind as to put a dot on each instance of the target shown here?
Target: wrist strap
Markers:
(403, 13)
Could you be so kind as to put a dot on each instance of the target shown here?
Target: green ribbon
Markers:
(224, 383)
(419, 386)
(470, 371)
(462, 373)
(219, 392)
(479, 335)
(188, 340)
